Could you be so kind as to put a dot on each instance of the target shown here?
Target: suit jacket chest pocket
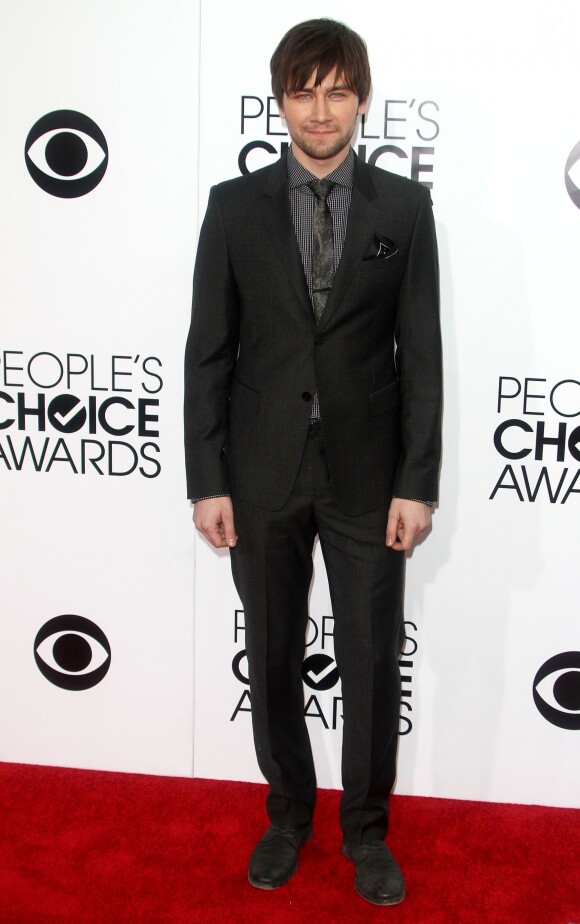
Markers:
(379, 275)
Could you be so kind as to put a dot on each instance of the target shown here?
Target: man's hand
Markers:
(214, 518)
(407, 521)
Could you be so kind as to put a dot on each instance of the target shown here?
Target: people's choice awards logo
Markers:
(66, 154)
(66, 412)
(556, 690)
(323, 692)
(72, 652)
(572, 175)
(412, 123)
(539, 431)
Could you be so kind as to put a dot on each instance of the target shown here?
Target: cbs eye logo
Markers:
(573, 185)
(556, 690)
(72, 652)
(66, 154)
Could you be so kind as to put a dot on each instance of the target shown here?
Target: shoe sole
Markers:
(395, 900)
(270, 886)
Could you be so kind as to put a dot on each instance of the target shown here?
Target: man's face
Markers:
(321, 121)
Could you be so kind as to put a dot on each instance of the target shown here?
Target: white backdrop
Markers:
(486, 98)
(103, 275)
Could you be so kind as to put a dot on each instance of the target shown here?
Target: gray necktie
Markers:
(322, 247)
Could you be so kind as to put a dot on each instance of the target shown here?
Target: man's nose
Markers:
(320, 111)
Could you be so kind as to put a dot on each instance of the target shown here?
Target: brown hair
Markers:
(320, 45)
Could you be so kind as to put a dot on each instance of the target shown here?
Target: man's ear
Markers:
(362, 106)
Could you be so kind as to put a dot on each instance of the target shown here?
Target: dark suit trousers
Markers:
(272, 569)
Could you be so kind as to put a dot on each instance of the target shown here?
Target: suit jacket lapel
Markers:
(362, 219)
(278, 219)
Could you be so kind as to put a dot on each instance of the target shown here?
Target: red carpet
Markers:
(93, 847)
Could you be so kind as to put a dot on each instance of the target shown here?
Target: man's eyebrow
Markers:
(337, 86)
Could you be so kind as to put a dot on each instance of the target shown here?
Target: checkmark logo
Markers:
(325, 672)
(319, 672)
(65, 415)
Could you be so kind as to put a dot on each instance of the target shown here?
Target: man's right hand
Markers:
(214, 518)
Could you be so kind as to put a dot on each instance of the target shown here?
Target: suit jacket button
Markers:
(307, 396)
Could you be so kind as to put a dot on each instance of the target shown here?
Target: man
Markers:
(313, 408)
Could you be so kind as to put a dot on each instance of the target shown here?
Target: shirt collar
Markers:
(300, 176)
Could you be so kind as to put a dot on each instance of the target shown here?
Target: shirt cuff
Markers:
(194, 500)
(415, 500)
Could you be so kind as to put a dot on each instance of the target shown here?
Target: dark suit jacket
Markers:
(255, 355)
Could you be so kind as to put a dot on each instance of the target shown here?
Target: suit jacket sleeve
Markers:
(210, 355)
(418, 360)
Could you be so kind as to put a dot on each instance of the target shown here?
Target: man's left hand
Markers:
(407, 521)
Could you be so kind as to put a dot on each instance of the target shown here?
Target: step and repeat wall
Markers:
(122, 635)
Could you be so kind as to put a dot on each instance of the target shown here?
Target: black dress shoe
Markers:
(378, 876)
(274, 859)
